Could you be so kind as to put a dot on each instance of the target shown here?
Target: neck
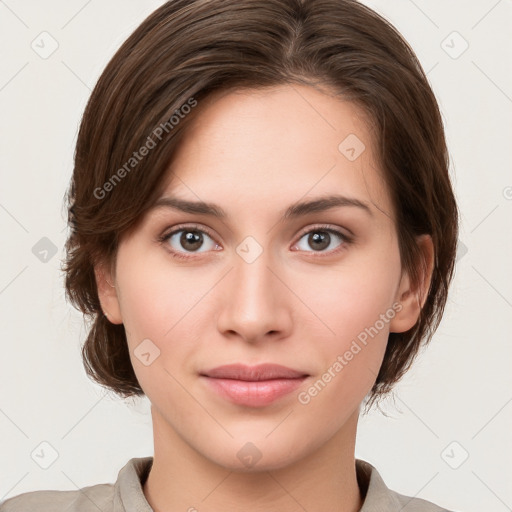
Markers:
(183, 479)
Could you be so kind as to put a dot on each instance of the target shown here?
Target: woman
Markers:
(264, 232)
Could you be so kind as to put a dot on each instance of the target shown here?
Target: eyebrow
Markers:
(295, 210)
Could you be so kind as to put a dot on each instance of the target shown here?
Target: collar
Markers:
(129, 496)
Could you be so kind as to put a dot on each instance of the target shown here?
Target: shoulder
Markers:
(379, 497)
(408, 504)
(106, 497)
(87, 499)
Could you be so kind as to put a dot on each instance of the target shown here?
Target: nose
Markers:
(255, 303)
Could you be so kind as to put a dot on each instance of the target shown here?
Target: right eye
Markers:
(185, 240)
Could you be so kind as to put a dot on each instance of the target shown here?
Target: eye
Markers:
(321, 238)
(187, 239)
(183, 241)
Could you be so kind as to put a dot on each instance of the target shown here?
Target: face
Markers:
(316, 290)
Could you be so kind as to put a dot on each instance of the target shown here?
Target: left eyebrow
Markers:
(324, 203)
(295, 210)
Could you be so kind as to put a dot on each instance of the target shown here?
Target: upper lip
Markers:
(253, 373)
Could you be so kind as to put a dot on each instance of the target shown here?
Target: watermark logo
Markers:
(146, 352)
(351, 147)
(44, 455)
(249, 249)
(249, 454)
(454, 45)
(462, 250)
(45, 45)
(455, 455)
(44, 250)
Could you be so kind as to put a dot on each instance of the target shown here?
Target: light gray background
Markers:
(455, 402)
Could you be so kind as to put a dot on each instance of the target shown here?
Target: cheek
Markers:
(155, 295)
(352, 299)
(358, 313)
(142, 300)
(354, 307)
(161, 303)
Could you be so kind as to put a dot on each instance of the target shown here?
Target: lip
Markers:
(253, 386)
(266, 371)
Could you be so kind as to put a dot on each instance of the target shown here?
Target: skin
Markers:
(254, 153)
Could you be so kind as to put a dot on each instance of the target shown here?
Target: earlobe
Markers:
(107, 294)
(412, 298)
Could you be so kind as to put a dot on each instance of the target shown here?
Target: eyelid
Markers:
(191, 226)
(327, 227)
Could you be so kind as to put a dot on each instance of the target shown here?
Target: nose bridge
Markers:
(254, 303)
(253, 279)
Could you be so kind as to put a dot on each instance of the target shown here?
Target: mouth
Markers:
(253, 386)
(253, 373)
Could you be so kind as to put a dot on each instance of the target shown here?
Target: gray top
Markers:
(126, 494)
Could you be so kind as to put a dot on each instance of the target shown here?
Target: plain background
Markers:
(447, 434)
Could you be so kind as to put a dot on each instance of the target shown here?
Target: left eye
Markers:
(321, 238)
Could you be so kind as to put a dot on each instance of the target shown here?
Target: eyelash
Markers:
(346, 239)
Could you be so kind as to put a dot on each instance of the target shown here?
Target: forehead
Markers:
(260, 149)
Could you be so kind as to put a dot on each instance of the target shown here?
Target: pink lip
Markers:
(253, 386)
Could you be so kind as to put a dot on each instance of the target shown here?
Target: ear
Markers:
(412, 299)
(107, 293)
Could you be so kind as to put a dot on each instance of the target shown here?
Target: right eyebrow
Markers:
(194, 207)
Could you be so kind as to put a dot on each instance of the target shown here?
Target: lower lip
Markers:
(254, 393)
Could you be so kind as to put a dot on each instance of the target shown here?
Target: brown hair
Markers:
(179, 56)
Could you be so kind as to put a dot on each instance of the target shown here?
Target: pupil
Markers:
(191, 237)
(321, 241)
